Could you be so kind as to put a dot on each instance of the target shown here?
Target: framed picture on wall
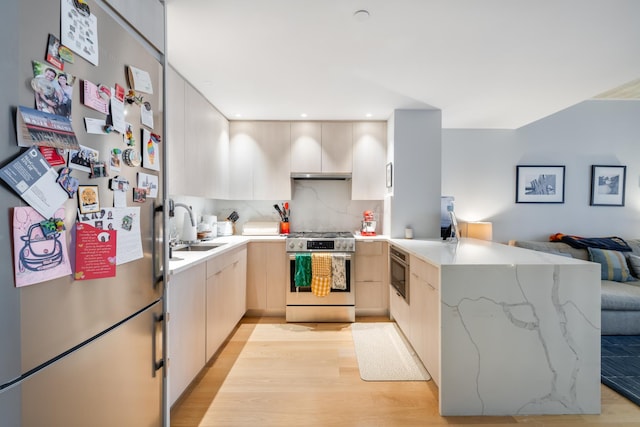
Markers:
(539, 184)
(607, 185)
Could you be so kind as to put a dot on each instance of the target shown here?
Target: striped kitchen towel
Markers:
(320, 274)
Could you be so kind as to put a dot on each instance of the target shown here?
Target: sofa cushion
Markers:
(557, 248)
(613, 265)
(620, 296)
(634, 264)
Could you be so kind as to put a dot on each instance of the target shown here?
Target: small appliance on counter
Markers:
(204, 230)
(368, 224)
(261, 228)
(225, 228)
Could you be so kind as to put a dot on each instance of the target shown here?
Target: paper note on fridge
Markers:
(124, 221)
(140, 80)
(95, 253)
(40, 128)
(35, 181)
(37, 257)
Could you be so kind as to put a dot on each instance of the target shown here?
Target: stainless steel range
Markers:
(339, 304)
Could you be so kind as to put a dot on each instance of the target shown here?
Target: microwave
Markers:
(399, 272)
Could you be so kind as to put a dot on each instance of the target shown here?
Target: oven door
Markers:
(337, 306)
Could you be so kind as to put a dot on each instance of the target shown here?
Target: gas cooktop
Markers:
(327, 241)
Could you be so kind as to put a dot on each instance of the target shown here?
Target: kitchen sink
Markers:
(198, 248)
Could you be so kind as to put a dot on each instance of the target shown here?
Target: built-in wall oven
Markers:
(339, 304)
(399, 271)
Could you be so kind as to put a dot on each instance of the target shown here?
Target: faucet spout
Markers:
(172, 210)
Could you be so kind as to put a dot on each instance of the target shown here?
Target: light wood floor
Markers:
(307, 375)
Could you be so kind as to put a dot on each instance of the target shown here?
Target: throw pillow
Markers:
(634, 262)
(613, 264)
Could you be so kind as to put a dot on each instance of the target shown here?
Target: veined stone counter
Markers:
(519, 330)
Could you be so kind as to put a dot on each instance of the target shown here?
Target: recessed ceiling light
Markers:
(238, 115)
(368, 114)
(361, 15)
(303, 115)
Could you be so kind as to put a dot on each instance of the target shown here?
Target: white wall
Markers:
(479, 169)
(415, 147)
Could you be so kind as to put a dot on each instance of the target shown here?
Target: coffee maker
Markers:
(368, 224)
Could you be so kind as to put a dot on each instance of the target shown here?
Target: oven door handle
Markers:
(347, 256)
(399, 260)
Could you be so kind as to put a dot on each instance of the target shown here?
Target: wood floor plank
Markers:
(284, 374)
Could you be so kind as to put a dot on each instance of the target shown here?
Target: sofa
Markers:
(621, 296)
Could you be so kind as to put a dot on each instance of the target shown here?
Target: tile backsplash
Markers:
(323, 205)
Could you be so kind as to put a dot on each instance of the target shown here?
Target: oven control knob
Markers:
(291, 245)
(300, 245)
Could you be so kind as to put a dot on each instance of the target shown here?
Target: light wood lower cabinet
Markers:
(205, 302)
(399, 311)
(371, 278)
(186, 328)
(424, 329)
(267, 278)
(225, 297)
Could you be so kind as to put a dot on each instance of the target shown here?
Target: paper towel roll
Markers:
(189, 232)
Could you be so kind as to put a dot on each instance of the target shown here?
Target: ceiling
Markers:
(486, 64)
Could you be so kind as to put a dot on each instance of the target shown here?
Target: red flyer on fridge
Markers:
(95, 252)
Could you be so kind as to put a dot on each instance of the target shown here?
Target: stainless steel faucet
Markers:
(172, 211)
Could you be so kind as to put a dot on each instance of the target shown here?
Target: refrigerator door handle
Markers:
(158, 326)
(158, 246)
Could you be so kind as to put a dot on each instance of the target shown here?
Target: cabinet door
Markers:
(277, 277)
(256, 276)
(418, 314)
(371, 278)
(399, 311)
(369, 161)
(186, 328)
(215, 315)
(337, 148)
(175, 141)
(199, 144)
(267, 277)
(271, 163)
(240, 284)
(243, 140)
(432, 320)
(306, 147)
(219, 162)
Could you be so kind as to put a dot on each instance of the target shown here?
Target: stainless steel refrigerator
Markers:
(81, 352)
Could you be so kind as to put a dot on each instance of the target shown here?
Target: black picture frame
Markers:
(540, 183)
(608, 185)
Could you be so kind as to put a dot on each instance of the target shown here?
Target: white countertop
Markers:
(439, 252)
(182, 259)
(477, 252)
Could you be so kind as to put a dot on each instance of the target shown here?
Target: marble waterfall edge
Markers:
(525, 342)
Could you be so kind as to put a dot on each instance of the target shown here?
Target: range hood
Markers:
(336, 176)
